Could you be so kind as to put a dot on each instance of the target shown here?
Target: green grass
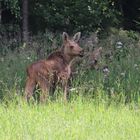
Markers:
(77, 120)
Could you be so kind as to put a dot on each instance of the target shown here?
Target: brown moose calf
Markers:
(56, 68)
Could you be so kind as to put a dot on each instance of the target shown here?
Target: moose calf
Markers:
(56, 68)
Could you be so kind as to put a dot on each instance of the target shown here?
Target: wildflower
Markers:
(89, 8)
(105, 70)
(123, 74)
(73, 89)
(136, 66)
(28, 58)
(106, 73)
(119, 45)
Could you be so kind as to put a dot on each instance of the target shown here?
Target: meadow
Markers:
(100, 106)
(78, 119)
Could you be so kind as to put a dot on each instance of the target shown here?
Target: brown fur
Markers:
(91, 60)
(94, 58)
(56, 68)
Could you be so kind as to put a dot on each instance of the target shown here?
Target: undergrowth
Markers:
(120, 53)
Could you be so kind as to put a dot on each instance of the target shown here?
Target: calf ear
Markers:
(65, 37)
(77, 36)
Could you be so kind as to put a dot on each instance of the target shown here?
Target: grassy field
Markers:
(100, 107)
(77, 120)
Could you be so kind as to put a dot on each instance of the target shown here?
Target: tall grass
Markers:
(79, 119)
(124, 67)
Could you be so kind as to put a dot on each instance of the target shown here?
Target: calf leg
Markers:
(65, 89)
(44, 91)
(52, 88)
(29, 88)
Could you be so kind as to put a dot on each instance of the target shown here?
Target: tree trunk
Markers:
(25, 32)
(0, 13)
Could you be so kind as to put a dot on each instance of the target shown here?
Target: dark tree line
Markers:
(73, 15)
(25, 20)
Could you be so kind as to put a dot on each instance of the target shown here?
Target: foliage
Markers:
(74, 15)
(10, 38)
(14, 6)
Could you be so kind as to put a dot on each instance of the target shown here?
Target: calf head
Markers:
(71, 46)
(95, 57)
